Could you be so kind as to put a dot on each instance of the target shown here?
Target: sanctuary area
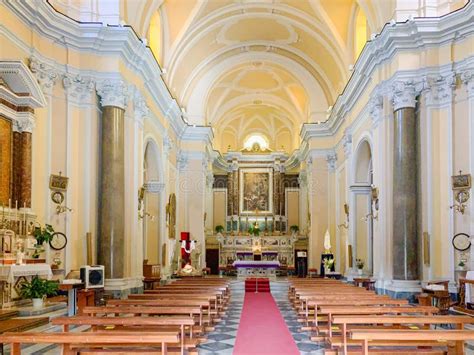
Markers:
(236, 176)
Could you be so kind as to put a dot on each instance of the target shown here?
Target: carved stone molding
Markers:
(331, 159)
(113, 93)
(376, 108)
(46, 75)
(347, 143)
(182, 161)
(167, 145)
(404, 94)
(467, 78)
(439, 89)
(140, 108)
(78, 88)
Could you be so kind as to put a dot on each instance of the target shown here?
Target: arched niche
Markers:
(151, 220)
(362, 205)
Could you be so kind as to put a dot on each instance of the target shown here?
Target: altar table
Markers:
(12, 275)
(252, 268)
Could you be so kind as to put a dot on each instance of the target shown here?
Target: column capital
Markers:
(331, 159)
(404, 94)
(439, 89)
(376, 108)
(182, 161)
(113, 93)
(467, 78)
(167, 145)
(140, 108)
(78, 88)
(27, 124)
(45, 74)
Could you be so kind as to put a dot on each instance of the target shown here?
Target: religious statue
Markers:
(196, 256)
(20, 255)
(327, 242)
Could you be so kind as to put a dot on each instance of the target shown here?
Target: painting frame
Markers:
(265, 174)
(461, 182)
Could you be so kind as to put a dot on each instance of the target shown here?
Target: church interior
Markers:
(236, 176)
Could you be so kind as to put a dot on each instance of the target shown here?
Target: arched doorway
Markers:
(151, 207)
(362, 199)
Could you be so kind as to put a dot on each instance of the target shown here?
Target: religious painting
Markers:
(256, 191)
(461, 181)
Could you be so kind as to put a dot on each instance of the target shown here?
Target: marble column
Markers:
(111, 240)
(16, 166)
(405, 250)
(25, 170)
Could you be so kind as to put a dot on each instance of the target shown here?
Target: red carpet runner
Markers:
(262, 329)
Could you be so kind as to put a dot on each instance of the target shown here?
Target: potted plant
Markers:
(219, 229)
(294, 229)
(461, 264)
(254, 230)
(43, 234)
(360, 265)
(37, 289)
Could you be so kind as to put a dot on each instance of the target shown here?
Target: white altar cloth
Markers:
(256, 264)
(8, 273)
(252, 268)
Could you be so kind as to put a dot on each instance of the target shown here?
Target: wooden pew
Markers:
(373, 310)
(70, 342)
(132, 324)
(161, 311)
(353, 320)
(203, 304)
(401, 337)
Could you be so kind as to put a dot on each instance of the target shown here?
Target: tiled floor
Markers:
(222, 340)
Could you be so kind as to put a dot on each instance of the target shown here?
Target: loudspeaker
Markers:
(93, 276)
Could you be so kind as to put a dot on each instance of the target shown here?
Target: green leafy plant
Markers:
(43, 234)
(254, 230)
(360, 264)
(219, 229)
(328, 263)
(38, 288)
(461, 263)
(294, 228)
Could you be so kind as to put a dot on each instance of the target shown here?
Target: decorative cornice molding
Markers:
(113, 92)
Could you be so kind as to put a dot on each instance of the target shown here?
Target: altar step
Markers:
(257, 285)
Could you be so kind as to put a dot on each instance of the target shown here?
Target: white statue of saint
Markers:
(327, 242)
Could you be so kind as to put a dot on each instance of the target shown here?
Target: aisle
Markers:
(262, 329)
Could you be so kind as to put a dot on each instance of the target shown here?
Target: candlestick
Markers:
(24, 213)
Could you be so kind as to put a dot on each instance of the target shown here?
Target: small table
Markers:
(71, 296)
(365, 282)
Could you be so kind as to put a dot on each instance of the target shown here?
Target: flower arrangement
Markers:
(43, 234)
(254, 230)
(219, 229)
(38, 288)
(328, 263)
(294, 229)
(360, 264)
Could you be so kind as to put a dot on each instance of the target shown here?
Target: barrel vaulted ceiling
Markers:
(265, 66)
